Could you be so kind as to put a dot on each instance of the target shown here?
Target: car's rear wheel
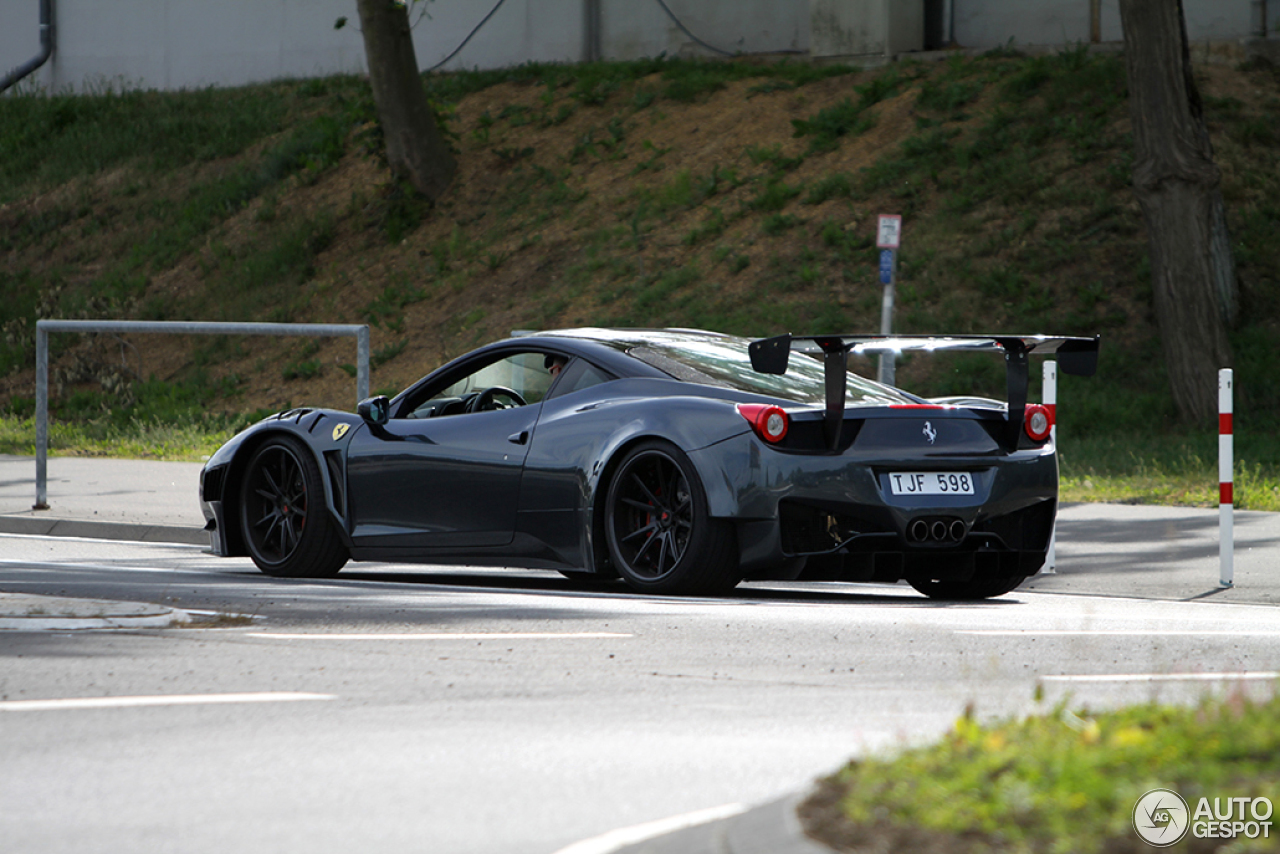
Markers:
(283, 518)
(967, 591)
(660, 535)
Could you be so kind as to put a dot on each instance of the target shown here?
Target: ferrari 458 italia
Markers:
(681, 461)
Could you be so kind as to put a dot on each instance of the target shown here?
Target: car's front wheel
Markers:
(660, 534)
(283, 518)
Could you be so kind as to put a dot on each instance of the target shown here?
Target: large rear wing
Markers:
(1077, 356)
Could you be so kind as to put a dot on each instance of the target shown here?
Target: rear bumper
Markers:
(834, 517)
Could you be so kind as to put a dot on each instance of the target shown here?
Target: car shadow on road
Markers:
(537, 582)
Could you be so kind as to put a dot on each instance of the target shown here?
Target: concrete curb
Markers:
(22, 612)
(771, 828)
(51, 527)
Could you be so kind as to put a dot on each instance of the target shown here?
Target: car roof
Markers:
(612, 347)
(623, 338)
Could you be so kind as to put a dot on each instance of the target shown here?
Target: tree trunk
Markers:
(1177, 185)
(416, 149)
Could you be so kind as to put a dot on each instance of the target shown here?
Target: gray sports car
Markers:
(681, 461)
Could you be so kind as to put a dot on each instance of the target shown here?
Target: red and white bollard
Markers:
(1050, 402)
(1226, 482)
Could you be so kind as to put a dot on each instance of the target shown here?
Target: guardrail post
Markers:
(42, 419)
(177, 327)
(362, 363)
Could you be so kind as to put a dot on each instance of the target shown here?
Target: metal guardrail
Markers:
(43, 327)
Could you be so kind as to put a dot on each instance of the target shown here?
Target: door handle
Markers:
(519, 438)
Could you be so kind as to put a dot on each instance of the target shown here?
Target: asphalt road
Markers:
(461, 710)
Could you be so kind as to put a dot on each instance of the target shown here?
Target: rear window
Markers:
(724, 362)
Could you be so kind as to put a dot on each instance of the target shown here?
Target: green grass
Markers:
(49, 140)
(156, 440)
(829, 125)
(1177, 467)
(164, 135)
(1065, 781)
(147, 420)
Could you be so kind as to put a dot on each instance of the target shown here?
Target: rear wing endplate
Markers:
(1078, 356)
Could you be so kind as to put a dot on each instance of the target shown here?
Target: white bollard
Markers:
(1226, 480)
(1051, 403)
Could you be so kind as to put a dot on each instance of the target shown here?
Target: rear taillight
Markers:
(1038, 421)
(769, 422)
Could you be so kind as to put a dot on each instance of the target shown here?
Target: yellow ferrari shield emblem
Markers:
(340, 431)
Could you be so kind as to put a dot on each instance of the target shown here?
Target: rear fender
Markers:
(691, 424)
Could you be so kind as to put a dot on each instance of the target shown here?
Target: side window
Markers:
(579, 375)
(516, 380)
(523, 373)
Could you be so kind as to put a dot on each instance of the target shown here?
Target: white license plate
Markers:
(931, 483)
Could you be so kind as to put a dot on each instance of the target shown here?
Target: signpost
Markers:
(888, 239)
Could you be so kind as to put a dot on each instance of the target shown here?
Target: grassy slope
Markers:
(738, 196)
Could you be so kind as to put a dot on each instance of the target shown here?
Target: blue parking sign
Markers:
(886, 266)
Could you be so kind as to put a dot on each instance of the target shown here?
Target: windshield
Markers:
(723, 361)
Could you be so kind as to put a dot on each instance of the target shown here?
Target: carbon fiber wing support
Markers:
(1078, 356)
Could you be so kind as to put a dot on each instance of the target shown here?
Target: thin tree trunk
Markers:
(1177, 185)
(416, 149)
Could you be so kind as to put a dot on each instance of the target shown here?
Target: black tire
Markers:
(967, 591)
(660, 535)
(286, 526)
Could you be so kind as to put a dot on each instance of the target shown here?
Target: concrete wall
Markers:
(170, 44)
(857, 28)
(632, 29)
(906, 27)
(520, 31)
(990, 23)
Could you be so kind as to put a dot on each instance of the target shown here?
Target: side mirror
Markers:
(375, 410)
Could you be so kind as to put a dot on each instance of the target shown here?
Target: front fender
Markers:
(324, 433)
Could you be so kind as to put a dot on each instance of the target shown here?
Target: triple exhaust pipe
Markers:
(936, 530)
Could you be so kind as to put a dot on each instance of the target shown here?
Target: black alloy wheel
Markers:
(283, 517)
(661, 538)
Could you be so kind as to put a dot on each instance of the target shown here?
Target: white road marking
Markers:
(438, 636)
(107, 542)
(1247, 675)
(1120, 632)
(615, 839)
(158, 700)
(54, 566)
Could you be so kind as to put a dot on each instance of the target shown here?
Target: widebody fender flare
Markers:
(324, 433)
